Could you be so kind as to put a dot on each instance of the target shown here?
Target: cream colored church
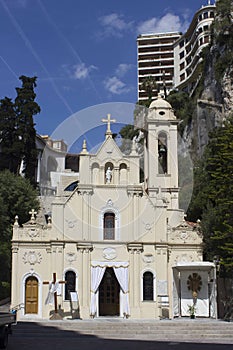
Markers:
(115, 246)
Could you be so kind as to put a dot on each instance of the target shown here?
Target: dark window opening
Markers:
(70, 285)
(162, 152)
(109, 226)
(148, 286)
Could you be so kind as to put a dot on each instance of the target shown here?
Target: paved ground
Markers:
(39, 336)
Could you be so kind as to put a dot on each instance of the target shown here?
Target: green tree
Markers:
(26, 108)
(149, 85)
(183, 106)
(9, 140)
(17, 197)
(213, 195)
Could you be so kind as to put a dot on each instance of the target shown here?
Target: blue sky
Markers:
(83, 53)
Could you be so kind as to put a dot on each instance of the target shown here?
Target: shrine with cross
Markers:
(114, 239)
(108, 121)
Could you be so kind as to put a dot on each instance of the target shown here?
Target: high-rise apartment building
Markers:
(188, 48)
(173, 59)
(156, 59)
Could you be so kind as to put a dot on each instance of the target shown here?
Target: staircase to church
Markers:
(181, 331)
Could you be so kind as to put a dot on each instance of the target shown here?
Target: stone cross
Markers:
(55, 294)
(33, 215)
(108, 121)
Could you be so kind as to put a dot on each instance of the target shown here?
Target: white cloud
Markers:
(167, 23)
(115, 86)
(113, 25)
(123, 68)
(81, 71)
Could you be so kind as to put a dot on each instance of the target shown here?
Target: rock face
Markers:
(213, 106)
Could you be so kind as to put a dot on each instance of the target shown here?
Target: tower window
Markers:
(109, 226)
(162, 153)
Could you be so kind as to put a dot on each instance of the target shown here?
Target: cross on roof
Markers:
(33, 214)
(108, 121)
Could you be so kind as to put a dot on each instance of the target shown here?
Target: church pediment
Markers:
(187, 232)
(109, 150)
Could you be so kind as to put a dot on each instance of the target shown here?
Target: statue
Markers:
(108, 175)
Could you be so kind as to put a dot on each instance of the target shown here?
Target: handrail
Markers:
(17, 307)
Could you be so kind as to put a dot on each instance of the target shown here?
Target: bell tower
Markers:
(160, 149)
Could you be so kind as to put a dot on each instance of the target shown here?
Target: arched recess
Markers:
(108, 173)
(31, 294)
(123, 173)
(162, 153)
(95, 170)
(71, 284)
(148, 285)
(109, 208)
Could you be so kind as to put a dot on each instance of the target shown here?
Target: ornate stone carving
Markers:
(148, 258)
(84, 247)
(109, 253)
(70, 257)
(32, 257)
(184, 258)
(71, 223)
(135, 248)
(33, 232)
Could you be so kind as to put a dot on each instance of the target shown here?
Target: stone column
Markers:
(135, 250)
(15, 286)
(86, 192)
(85, 250)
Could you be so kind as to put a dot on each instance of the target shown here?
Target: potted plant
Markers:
(192, 310)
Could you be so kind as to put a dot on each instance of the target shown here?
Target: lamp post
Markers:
(216, 261)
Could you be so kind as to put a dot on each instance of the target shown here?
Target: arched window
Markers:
(148, 286)
(109, 226)
(70, 286)
(162, 153)
(71, 187)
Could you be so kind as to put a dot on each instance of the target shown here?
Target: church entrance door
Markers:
(31, 295)
(109, 291)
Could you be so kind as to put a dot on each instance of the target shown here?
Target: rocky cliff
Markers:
(214, 100)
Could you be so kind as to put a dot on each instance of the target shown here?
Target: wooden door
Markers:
(109, 292)
(31, 295)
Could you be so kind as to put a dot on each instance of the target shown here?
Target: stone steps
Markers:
(196, 331)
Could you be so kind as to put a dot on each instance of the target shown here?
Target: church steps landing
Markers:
(189, 331)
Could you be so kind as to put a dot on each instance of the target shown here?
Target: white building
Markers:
(122, 246)
(173, 59)
(188, 48)
(156, 59)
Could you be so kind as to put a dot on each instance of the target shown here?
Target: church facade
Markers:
(116, 246)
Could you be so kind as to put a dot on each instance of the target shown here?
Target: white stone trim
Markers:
(109, 208)
(22, 296)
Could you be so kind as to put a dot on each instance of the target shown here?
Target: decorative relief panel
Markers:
(183, 258)
(32, 257)
(71, 223)
(33, 232)
(148, 258)
(109, 253)
(70, 257)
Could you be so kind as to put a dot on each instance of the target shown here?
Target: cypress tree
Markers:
(26, 108)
